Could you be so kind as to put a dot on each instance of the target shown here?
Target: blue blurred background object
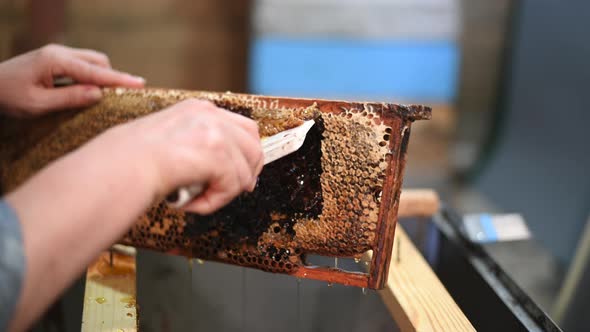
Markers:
(360, 69)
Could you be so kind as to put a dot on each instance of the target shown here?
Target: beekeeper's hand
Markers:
(27, 81)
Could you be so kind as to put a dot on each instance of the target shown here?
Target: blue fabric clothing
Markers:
(12, 263)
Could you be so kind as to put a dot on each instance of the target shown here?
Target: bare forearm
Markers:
(69, 212)
(80, 204)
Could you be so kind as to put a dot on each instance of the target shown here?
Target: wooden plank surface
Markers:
(110, 295)
(414, 295)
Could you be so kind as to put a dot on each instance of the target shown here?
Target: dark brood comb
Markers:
(337, 196)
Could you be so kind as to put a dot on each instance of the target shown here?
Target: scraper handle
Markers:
(184, 195)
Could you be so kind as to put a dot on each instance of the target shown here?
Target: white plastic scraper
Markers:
(274, 147)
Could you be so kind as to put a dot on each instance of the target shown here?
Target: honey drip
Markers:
(244, 299)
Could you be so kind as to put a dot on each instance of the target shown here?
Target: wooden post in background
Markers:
(217, 56)
(45, 23)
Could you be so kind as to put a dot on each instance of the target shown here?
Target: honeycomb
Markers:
(336, 196)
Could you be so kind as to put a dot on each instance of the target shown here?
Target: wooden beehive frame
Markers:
(387, 129)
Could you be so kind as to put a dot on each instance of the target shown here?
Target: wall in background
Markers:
(542, 161)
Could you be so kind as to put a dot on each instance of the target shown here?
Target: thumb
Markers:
(73, 96)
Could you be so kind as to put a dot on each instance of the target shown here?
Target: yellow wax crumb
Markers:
(130, 301)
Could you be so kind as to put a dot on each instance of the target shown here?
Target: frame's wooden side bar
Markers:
(414, 295)
(389, 205)
(110, 295)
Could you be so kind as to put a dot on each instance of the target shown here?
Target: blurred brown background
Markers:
(174, 44)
